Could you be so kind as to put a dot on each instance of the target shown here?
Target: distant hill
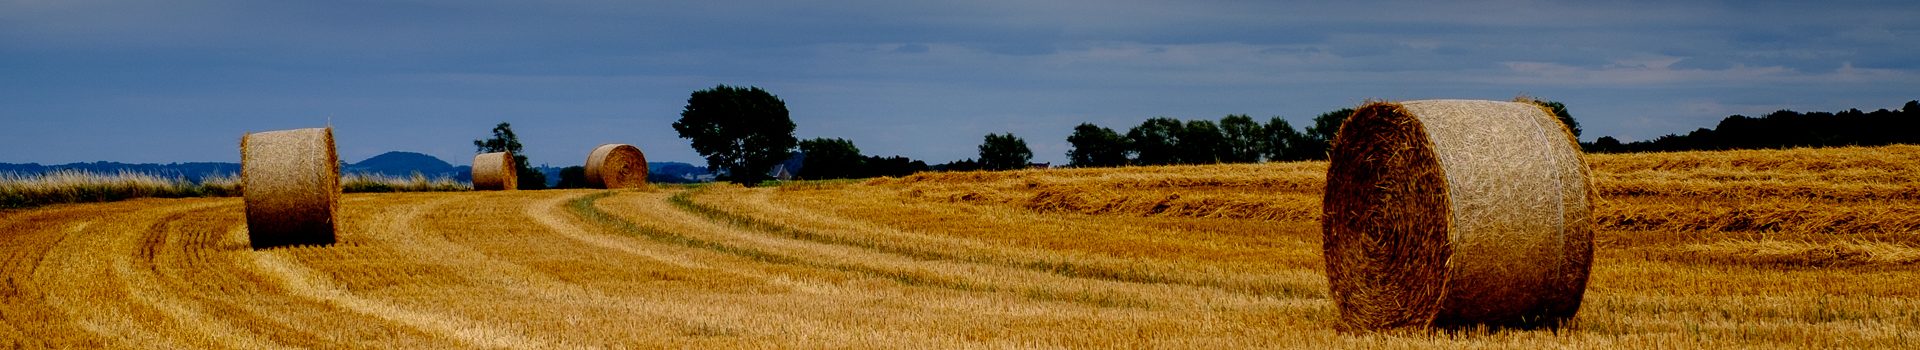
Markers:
(396, 163)
(402, 164)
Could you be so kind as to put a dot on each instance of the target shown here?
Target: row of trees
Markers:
(1235, 138)
(1785, 129)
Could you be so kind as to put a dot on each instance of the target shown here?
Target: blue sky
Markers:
(140, 81)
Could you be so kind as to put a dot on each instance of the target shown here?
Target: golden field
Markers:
(1744, 249)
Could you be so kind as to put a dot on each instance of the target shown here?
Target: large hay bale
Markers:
(1451, 213)
(495, 171)
(617, 166)
(291, 183)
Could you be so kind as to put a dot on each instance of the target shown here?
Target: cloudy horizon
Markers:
(182, 81)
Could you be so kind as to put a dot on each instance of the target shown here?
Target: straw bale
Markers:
(617, 166)
(495, 171)
(1452, 213)
(291, 183)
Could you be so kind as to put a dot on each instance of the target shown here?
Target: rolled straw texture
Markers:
(495, 171)
(617, 166)
(291, 183)
(1452, 213)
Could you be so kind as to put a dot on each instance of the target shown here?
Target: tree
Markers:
(1156, 141)
(1559, 111)
(1243, 139)
(1912, 106)
(742, 131)
(1200, 142)
(1283, 143)
(1095, 146)
(896, 166)
(1320, 136)
(1607, 144)
(504, 140)
(572, 177)
(830, 159)
(1004, 152)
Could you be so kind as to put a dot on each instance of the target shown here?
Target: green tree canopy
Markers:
(1156, 141)
(1200, 142)
(1004, 152)
(1095, 146)
(1243, 139)
(743, 131)
(1283, 143)
(504, 140)
(830, 159)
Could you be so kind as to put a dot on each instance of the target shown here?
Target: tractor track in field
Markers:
(430, 271)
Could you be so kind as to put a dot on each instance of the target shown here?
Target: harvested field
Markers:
(1708, 249)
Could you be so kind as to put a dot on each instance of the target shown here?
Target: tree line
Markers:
(1785, 129)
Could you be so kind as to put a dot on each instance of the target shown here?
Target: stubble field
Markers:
(1795, 248)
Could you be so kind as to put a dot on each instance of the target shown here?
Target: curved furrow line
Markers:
(89, 278)
(823, 227)
(885, 299)
(199, 264)
(368, 249)
(637, 291)
(25, 239)
(655, 218)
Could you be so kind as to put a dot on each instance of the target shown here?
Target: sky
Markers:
(182, 81)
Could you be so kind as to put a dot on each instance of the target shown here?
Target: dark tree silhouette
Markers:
(1200, 142)
(830, 159)
(1283, 143)
(742, 131)
(1244, 140)
(572, 177)
(1156, 141)
(1320, 136)
(1004, 152)
(1095, 146)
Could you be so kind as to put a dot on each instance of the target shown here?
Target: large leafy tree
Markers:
(1004, 152)
(743, 131)
(1156, 141)
(504, 140)
(830, 159)
(1200, 142)
(1095, 146)
(1243, 139)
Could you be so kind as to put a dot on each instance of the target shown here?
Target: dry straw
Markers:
(617, 166)
(1451, 213)
(291, 180)
(495, 171)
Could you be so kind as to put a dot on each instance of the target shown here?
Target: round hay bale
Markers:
(291, 183)
(1453, 213)
(495, 171)
(616, 165)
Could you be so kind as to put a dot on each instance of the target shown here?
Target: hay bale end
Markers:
(1456, 213)
(616, 166)
(290, 181)
(495, 171)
